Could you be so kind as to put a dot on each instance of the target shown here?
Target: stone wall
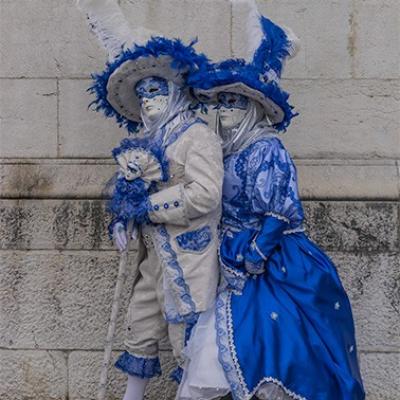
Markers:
(57, 268)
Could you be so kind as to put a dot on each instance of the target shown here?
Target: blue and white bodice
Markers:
(260, 181)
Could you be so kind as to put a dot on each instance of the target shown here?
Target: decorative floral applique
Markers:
(197, 240)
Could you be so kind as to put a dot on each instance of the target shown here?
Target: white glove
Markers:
(119, 236)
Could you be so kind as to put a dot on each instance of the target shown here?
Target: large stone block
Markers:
(84, 372)
(372, 282)
(54, 224)
(207, 20)
(354, 226)
(28, 114)
(55, 178)
(81, 178)
(33, 374)
(322, 26)
(63, 300)
(348, 179)
(345, 119)
(46, 38)
(59, 300)
(380, 372)
(84, 132)
(375, 39)
(82, 225)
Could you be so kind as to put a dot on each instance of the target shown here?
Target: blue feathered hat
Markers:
(264, 48)
(133, 54)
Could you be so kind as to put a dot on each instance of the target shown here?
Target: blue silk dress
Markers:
(283, 318)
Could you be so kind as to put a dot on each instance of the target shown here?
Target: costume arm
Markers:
(275, 196)
(201, 191)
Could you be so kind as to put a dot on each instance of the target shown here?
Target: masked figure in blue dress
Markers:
(282, 327)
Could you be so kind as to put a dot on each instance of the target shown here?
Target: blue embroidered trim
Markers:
(183, 58)
(176, 375)
(190, 324)
(174, 273)
(223, 324)
(139, 366)
(196, 240)
(177, 318)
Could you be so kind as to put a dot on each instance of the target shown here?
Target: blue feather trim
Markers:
(184, 58)
(274, 48)
(233, 71)
(129, 201)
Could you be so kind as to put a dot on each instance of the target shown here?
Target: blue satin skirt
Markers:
(291, 325)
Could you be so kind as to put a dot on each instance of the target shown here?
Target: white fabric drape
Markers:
(253, 126)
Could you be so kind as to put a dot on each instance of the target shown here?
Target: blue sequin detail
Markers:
(139, 366)
(196, 240)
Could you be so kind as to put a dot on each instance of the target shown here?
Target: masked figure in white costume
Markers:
(169, 186)
(282, 327)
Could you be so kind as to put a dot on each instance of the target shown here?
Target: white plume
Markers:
(252, 34)
(294, 42)
(110, 26)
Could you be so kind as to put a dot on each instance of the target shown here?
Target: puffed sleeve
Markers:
(274, 196)
(201, 190)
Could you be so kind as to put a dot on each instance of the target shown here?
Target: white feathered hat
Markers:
(133, 54)
(263, 51)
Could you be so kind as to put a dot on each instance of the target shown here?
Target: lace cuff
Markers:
(142, 367)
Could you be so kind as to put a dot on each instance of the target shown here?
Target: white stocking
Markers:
(135, 388)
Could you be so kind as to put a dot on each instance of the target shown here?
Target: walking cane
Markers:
(121, 278)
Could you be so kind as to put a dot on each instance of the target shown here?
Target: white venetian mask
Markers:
(232, 108)
(153, 95)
